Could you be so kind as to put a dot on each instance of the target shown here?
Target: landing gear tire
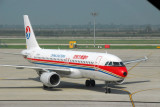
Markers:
(107, 90)
(90, 83)
(87, 83)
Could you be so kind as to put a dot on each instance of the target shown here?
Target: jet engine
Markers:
(50, 79)
(120, 81)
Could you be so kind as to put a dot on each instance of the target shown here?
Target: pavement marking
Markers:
(134, 66)
(130, 77)
(2, 78)
(129, 93)
(145, 90)
(138, 63)
(130, 96)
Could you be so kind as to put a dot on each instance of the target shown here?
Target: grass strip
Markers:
(79, 47)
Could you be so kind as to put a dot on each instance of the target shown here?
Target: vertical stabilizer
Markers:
(31, 41)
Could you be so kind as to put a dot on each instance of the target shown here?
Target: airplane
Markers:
(52, 64)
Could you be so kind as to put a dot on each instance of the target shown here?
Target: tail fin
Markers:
(31, 41)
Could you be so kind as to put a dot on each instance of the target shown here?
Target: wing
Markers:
(136, 60)
(60, 71)
(10, 53)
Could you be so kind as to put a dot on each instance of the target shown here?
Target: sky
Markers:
(78, 12)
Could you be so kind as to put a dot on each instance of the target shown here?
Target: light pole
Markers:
(94, 14)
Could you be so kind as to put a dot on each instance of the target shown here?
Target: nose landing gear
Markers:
(107, 90)
(92, 83)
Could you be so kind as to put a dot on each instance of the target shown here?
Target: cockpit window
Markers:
(110, 64)
(106, 63)
(122, 63)
(114, 64)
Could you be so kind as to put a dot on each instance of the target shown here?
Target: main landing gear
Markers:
(90, 83)
(107, 90)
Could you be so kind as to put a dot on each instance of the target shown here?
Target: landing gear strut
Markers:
(107, 90)
(90, 83)
(46, 87)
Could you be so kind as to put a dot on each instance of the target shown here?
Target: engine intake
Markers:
(50, 79)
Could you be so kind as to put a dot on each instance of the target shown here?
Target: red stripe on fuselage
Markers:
(112, 69)
(62, 62)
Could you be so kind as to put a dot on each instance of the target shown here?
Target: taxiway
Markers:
(21, 87)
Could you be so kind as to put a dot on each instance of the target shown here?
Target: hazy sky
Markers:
(74, 12)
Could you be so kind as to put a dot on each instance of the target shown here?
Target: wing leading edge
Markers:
(136, 60)
(46, 69)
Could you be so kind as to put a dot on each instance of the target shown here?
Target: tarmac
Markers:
(21, 87)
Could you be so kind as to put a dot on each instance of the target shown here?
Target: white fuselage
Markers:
(81, 64)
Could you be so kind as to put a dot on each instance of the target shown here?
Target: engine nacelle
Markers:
(120, 81)
(50, 79)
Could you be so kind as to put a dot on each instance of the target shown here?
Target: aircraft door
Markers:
(98, 60)
(96, 65)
